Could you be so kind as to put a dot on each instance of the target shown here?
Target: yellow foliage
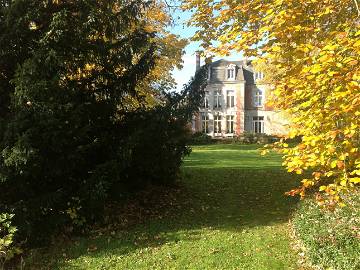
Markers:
(312, 55)
(155, 19)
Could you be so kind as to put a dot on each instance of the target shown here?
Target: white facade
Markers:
(235, 103)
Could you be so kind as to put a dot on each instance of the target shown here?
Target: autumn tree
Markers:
(311, 53)
(84, 114)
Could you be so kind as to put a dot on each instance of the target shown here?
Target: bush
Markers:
(199, 138)
(7, 233)
(89, 119)
(331, 238)
(61, 186)
(250, 138)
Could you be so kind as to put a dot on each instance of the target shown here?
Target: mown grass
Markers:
(230, 214)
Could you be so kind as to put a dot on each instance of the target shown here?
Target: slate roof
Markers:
(244, 70)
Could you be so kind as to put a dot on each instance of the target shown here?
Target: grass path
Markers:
(232, 215)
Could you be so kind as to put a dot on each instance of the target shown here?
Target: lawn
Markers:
(231, 213)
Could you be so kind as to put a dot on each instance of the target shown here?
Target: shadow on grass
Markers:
(226, 199)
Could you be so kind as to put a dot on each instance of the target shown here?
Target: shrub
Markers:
(331, 238)
(89, 115)
(249, 138)
(199, 138)
(7, 233)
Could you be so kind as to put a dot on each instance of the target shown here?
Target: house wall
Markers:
(237, 111)
(249, 97)
(274, 122)
(244, 87)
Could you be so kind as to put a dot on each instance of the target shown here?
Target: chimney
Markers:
(197, 55)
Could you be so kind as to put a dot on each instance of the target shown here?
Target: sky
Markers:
(183, 76)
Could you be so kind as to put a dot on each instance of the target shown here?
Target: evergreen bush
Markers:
(83, 120)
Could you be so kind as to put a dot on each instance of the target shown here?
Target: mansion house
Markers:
(235, 102)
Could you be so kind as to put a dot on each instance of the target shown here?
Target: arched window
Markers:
(258, 98)
(230, 72)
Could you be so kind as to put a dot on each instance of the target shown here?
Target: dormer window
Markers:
(230, 72)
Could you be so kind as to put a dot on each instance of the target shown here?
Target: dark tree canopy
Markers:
(84, 117)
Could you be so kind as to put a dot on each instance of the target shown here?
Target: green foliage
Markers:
(86, 118)
(249, 138)
(331, 239)
(7, 233)
(310, 53)
(199, 138)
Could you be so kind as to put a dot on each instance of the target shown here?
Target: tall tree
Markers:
(314, 48)
(72, 76)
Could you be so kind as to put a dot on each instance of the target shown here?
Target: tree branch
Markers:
(357, 7)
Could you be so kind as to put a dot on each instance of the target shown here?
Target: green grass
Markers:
(231, 214)
(331, 238)
(235, 156)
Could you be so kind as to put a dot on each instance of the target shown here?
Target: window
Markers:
(258, 124)
(193, 124)
(229, 124)
(258, 98)
(230, 72)
(217, 99)
(209, 73)
(258, 76)
(230, 99)
(217, 124)
(205, 123)
(206, 100)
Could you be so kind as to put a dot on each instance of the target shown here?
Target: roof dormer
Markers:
(231, 72)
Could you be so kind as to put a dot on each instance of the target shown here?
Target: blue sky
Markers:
(183, 76)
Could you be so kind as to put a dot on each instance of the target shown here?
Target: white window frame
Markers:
(231, 72)
(193, 123)
(258, 98)
(217, 99)
(258, 124)
(230, 98)
(258, 75)
(206, 100)
(205, 123)
(230, 120)
(217, 124)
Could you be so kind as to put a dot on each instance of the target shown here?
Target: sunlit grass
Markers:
(232, 214)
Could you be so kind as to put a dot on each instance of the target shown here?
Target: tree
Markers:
(81, 83)
(314, 46)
